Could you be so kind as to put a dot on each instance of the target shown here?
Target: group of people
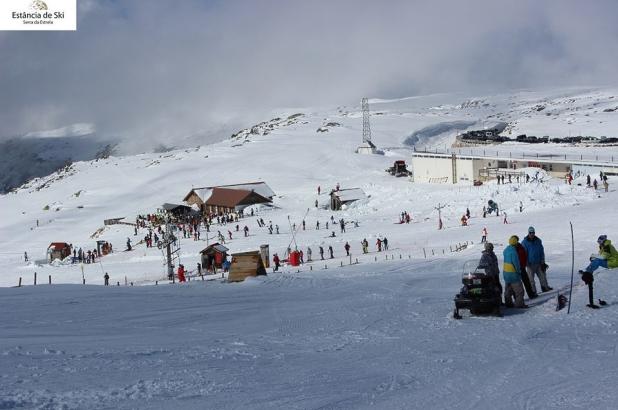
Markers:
(524, 263)
(381, 244)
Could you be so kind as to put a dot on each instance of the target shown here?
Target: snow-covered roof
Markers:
(259, 187)
(351, 194)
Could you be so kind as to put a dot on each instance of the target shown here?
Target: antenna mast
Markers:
(366, 125)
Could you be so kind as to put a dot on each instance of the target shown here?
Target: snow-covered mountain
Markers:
(376, 332)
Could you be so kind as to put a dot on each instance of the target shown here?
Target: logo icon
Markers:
(38, 5)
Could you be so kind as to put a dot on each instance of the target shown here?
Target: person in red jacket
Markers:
(523, 259)
(181, 273)
(276, 261)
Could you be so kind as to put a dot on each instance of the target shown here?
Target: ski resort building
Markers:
(229, 197)
(58, 250)
(452, 168)
(344, 197)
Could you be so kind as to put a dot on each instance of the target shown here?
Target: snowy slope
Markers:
(373, 334)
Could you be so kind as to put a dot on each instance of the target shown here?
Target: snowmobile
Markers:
(478, 293)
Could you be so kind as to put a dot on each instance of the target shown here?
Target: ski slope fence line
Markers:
(395, 254)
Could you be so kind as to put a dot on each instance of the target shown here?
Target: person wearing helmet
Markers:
(489, 262)
(607, 258)
(511, 273)
(535, 260)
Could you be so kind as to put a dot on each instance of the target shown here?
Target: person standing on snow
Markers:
(535, 263)
(385, 242)
(489, 262)
(106, 279)
(608, 258)
(308, 254)
(523, 260)
(321, 253)
(276, 261)
(379, 244)
(330, 251)
(181, 273)
(347, 249)
(511, 273)
(484, 235)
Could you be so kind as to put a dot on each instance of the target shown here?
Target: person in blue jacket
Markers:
(536, 260)
(511, 273)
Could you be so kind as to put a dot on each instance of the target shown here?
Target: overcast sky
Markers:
(166, 69)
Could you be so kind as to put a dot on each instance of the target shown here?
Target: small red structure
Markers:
(58, 250)
(294, 258)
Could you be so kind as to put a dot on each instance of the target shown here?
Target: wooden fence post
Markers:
(50, 279)
(35, 278)
(19, 286)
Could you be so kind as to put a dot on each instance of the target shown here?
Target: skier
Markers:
(385, 242)
(330, 251)
(319, 189)
(521, 206)
(347, 249)
(342, 225)
(181, 273)
(276, 261)
(229, 233)
(464, 221)
(199, 269)
(316, 203)
(365, 244)
(129, 244)
(321, 253)
(504, 221)
(106, 279)
(484, 235)
(607, 258)
(468, 213)
(277, 229)
(317, 225)
(301, 256)
(511, 273)
(246, 229)
(595, 184)
(379, 244)
(535, 260)
(489, 262)
(588, 181)
(484, 212)
(25, 256)
(308, 254)
(303, 224)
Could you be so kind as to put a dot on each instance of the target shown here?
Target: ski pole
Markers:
(572, 266)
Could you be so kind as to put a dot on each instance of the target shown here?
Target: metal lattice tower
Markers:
(366, 126)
